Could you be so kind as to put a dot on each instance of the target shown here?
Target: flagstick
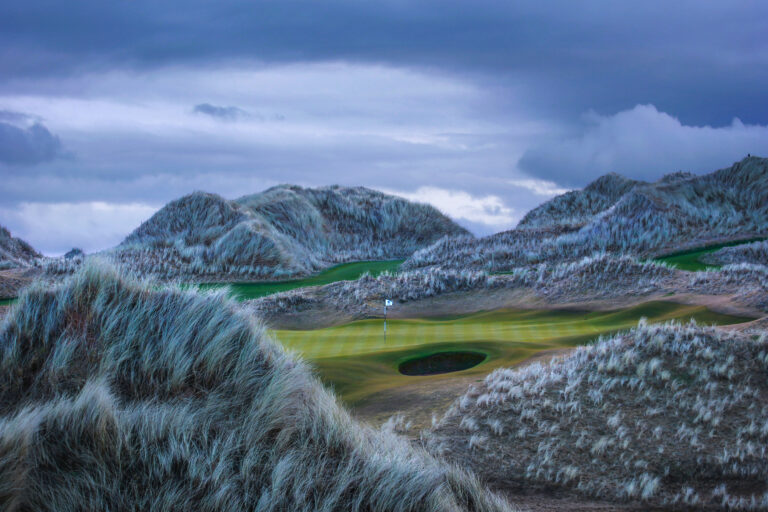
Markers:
(387, 302)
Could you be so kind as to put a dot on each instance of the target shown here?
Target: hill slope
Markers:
(120, 396)
(670, 415)
(281, 232)
(577, 207)
(14, 252)
(618, 215)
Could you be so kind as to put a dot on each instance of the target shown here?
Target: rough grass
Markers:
(15, 252)
(671, 415)
(597, 276)
(619, 216)
(284, 232)
(601, 277)
(755, 253)
(123, 396)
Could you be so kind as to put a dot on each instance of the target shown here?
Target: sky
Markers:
(484, 109)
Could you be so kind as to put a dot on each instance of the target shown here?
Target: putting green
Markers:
(7, 302)
(690, 259)
(344, 272)
(357, 360)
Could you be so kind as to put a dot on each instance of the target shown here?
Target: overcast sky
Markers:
(483, 108)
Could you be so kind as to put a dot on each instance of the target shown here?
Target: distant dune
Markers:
(619, 215)
(285, 231)
(14, 252)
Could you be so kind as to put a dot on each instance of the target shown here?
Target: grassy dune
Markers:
(343, 272)
(116, 395)
(673, 415)
(357, 360)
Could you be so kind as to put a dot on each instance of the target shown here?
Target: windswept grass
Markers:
(285, 232)
(755, 253)
(116, 395)
(672, 415)
(619, 216)
(15, 252)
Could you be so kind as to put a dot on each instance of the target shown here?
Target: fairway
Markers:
(357, 360)
(690, 260)
(343, 272)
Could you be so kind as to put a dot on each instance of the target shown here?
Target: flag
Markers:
(387, 302)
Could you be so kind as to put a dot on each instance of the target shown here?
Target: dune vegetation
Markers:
(621, 216)
(15, 252)
(117, 395)
(284, 232)
(670, 415)
(601, 277)
(755, 253)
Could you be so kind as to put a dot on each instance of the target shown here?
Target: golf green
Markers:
(358, 359)
(343, 272)
(691, 259)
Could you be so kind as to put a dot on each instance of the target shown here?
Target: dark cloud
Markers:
(225, 113)
(27, 146)
(641, 143)
(705, 61)
(14, 117)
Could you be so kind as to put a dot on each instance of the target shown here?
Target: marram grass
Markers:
(673, 415)
(117, 395)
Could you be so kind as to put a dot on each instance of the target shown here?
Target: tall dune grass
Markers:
(620, 216)
(670, 415)
(119, 395)
(286, 231)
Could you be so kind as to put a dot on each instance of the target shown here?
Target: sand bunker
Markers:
(441, 362)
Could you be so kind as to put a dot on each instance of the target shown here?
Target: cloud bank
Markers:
(25, 141)
(226, 113)
(482, 215)
(642, 143)
(91, 226)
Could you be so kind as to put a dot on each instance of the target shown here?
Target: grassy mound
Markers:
(284, 232)
(116, 395)
(755, 253)
(617, 215)
(15, 252)
(672, 415)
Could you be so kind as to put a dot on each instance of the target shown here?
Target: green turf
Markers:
(344, 272)
(357, 360)
(7, 302)
(690, 259)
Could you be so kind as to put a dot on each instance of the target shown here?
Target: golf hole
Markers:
(441, 362)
